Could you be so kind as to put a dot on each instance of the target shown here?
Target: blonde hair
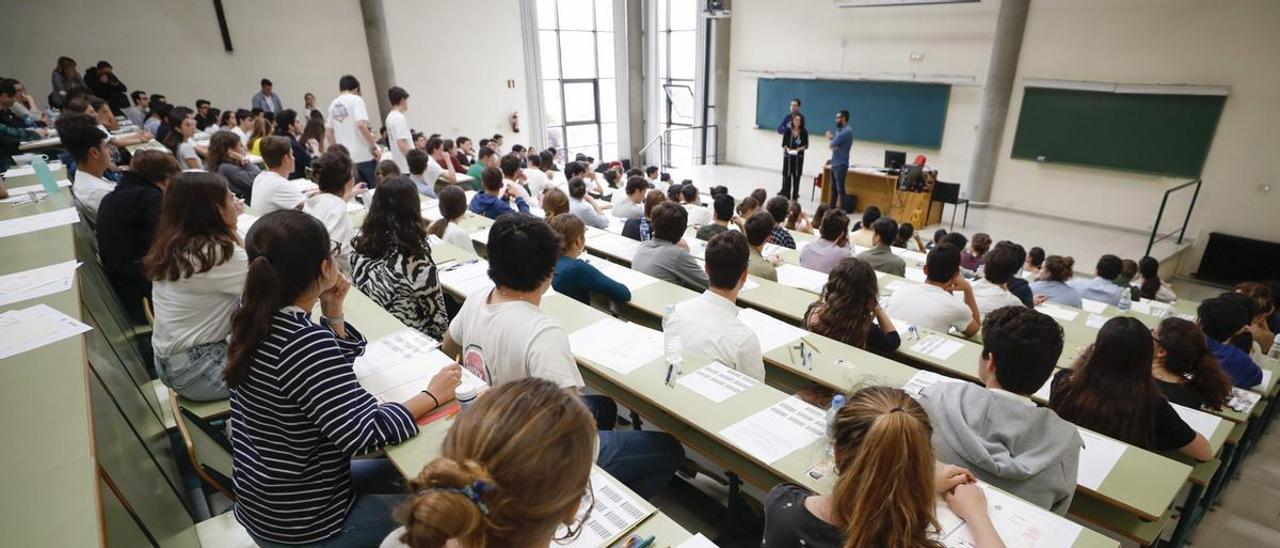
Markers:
(555, 202)
(514, 467)
(885, 493)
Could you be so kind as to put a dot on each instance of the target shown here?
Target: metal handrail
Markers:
(1182, 231)
(663, 139)
(658, 139)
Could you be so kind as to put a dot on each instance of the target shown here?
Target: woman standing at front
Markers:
(297, 413)
(794, 143)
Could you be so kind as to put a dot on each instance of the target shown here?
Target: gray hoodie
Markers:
(1006, 441)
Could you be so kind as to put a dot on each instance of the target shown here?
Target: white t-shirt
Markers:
(930, 307)
(627, 209)
(434, 169)
(197, 310)
(709, 325)
(698, 215)
(90, 190)
(455, 236)
(510, 341)
(398, 128)
(332, 211)
(346, 110)
(990, 297)
(537, 181)
(244, 137)
(271, 192)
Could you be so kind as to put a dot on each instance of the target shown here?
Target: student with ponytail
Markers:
(1150, 286)
(298, 416)
(887, 486)
(500, 481)
(1185, 370)
(453, 205)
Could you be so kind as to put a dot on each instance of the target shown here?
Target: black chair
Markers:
(949, 193)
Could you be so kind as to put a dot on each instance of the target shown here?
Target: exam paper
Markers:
(1098, 455)
(717, 382)
(778, 431)
(772, 249)
(26, 329)
(771, 331)
(697, 248)
(1019, 524)
(797, 276)
(614, 511)
(15, 191)
(618, 345)
(480, 236)
(435, 361)
(922, 380)
(1141, 307)
(1266, 379)
(632, 279)
(1096, 320)
(392, 350)
(698, 541)
(616, 224)
(39, 221)
(1090, 305)
(612, 244)
(37, 282)
(937, 346)
(1203, 423)
(916, 275)
(1059, 313)
(467, 277)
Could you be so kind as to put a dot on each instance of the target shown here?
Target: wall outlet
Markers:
(917, 56)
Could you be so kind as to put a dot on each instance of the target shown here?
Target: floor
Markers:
(1249, 512)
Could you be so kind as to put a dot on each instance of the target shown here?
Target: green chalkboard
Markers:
(1150, 133)
(904, 113)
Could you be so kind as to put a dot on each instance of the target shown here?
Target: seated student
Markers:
(998, 432)
(391, 258)
(292, 379)
(832, 246)
(244, 125)
(761, 196)
(226, 157)
(1150, 286)
(847, 307)
(554, 203)
(1102, 287)
(957, 239)
(575, 277)
(1244, 339)
(777, 208)
(908, 238)
(289, 126)
(651, 175)
(881, 256)
(503, 336)
(335, 175)
(261, 128)
(723, 208)
(1221, 319)
(384, 170)
(439, 172)
(179, 139)
(1184, 369)
(1052, 283)
(88, 147)
(759, 231)
(271, 188)
(485, 159)
(497, 197)
(931, 304)
(584, 209)
(126, 224)
(197, 268)
(1128, 270)
(534, 177)
(709, 324)
(665, 256)
(864, 235)
(1035, 261)
(991, 292)
(462, 498)
(796, 219)
(879, 429)
(513, 176)
(699, 215)
(971, 259)
(453, 206)
(417, 161)
(1109, 390)
(674, 194)
(1020, 287)
(818, 214)
(1263, 307)
(641, 228)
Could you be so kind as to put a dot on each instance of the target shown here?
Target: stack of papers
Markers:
(392, 350)
(1019, 524)
(937, 346)
(39, 221)
(1059, 313)
(772, 332)
(37, 282)
(778, 431)
(30, 328)
(1098, 455)
(618, 345)
(467, 277)
(717, 382)
(435, 361)
(795, 276)
(621, 274)
(922, 380)
(614, 511)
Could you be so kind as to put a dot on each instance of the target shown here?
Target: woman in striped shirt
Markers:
(297, 413)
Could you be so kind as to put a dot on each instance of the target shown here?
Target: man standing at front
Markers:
(785, 125)
(266, 100)
(840, 144)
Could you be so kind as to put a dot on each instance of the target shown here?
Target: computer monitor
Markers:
(894, 159)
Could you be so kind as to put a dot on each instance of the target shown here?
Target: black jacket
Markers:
(127, 220)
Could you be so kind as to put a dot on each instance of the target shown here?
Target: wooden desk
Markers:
(873, 188)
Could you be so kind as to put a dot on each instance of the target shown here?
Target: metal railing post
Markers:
(1190, 208)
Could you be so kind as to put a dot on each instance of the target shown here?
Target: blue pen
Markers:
(671, 373)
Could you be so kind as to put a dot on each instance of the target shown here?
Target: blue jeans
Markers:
(643, 461)
(196, 373)
(379, 489)
(364, 173)
(838, 174)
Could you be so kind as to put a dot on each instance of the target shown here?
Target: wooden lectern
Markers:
(874, 188)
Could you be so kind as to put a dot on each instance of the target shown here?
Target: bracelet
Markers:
(433, 397)
(334, 320)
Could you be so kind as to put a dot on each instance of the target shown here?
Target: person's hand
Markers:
(331, 299)
(958, 283)
(1040, 299)
(444, 383)
(945, 476)
(828, 134)
(145, 136)
(313, 144)
(356, 190)
(42, 132)
(775, 259)
(240, 207)
(967, 501)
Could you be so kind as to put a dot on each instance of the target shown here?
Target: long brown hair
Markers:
(174, 138)
(885, 493)
(571, 229)
(555, 202)
(192, 236)
(1110, 389)
(504, 482)
(453, 205)
(220, 145)
(848, 301)
(394, 222)
(287, 250)
(67, 69)
(1187, 355)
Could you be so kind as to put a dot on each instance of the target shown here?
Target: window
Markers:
(578, 85)
(677, 56)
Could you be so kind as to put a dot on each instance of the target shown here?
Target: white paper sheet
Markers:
(39, 221)
(778, 431)
(697, 248)
(612, 244)
(17, 191)
(392, 350)
(1043, 393)
(467, 277)
(615, 224)
(1019, 524)
(480, 236)
(749, 285)
(618, 345)
(616, 510)
(698, 541)
(1098, 456)
(771, 331)
(937, 346)
(1188, 317)
(1059, 313)
(28, 169)
(1266, 379)
(1203, 423)
(771, 249)
(632, 279)
(922, 380)
(37, 282)
(434, 362)
(916, 275)
(1096, 320)
(1141, 307)
(1090, 305)
(26, 329)
(717, 382)
(797, 276)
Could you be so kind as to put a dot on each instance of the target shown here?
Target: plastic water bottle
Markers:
(1275, 349)
(44, 175)
(671, 335)
(836, 403)
(1125, 302)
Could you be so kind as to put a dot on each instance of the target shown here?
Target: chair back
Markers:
(948, 193)
(207, 447)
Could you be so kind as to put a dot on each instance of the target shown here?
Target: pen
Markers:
(646, 542)
(671, 370)
(461, 264)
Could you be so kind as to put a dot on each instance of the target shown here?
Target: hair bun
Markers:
(451, 500)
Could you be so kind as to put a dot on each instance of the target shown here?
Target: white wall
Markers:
(1230, 43)
(174, 47)
(454, 59)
